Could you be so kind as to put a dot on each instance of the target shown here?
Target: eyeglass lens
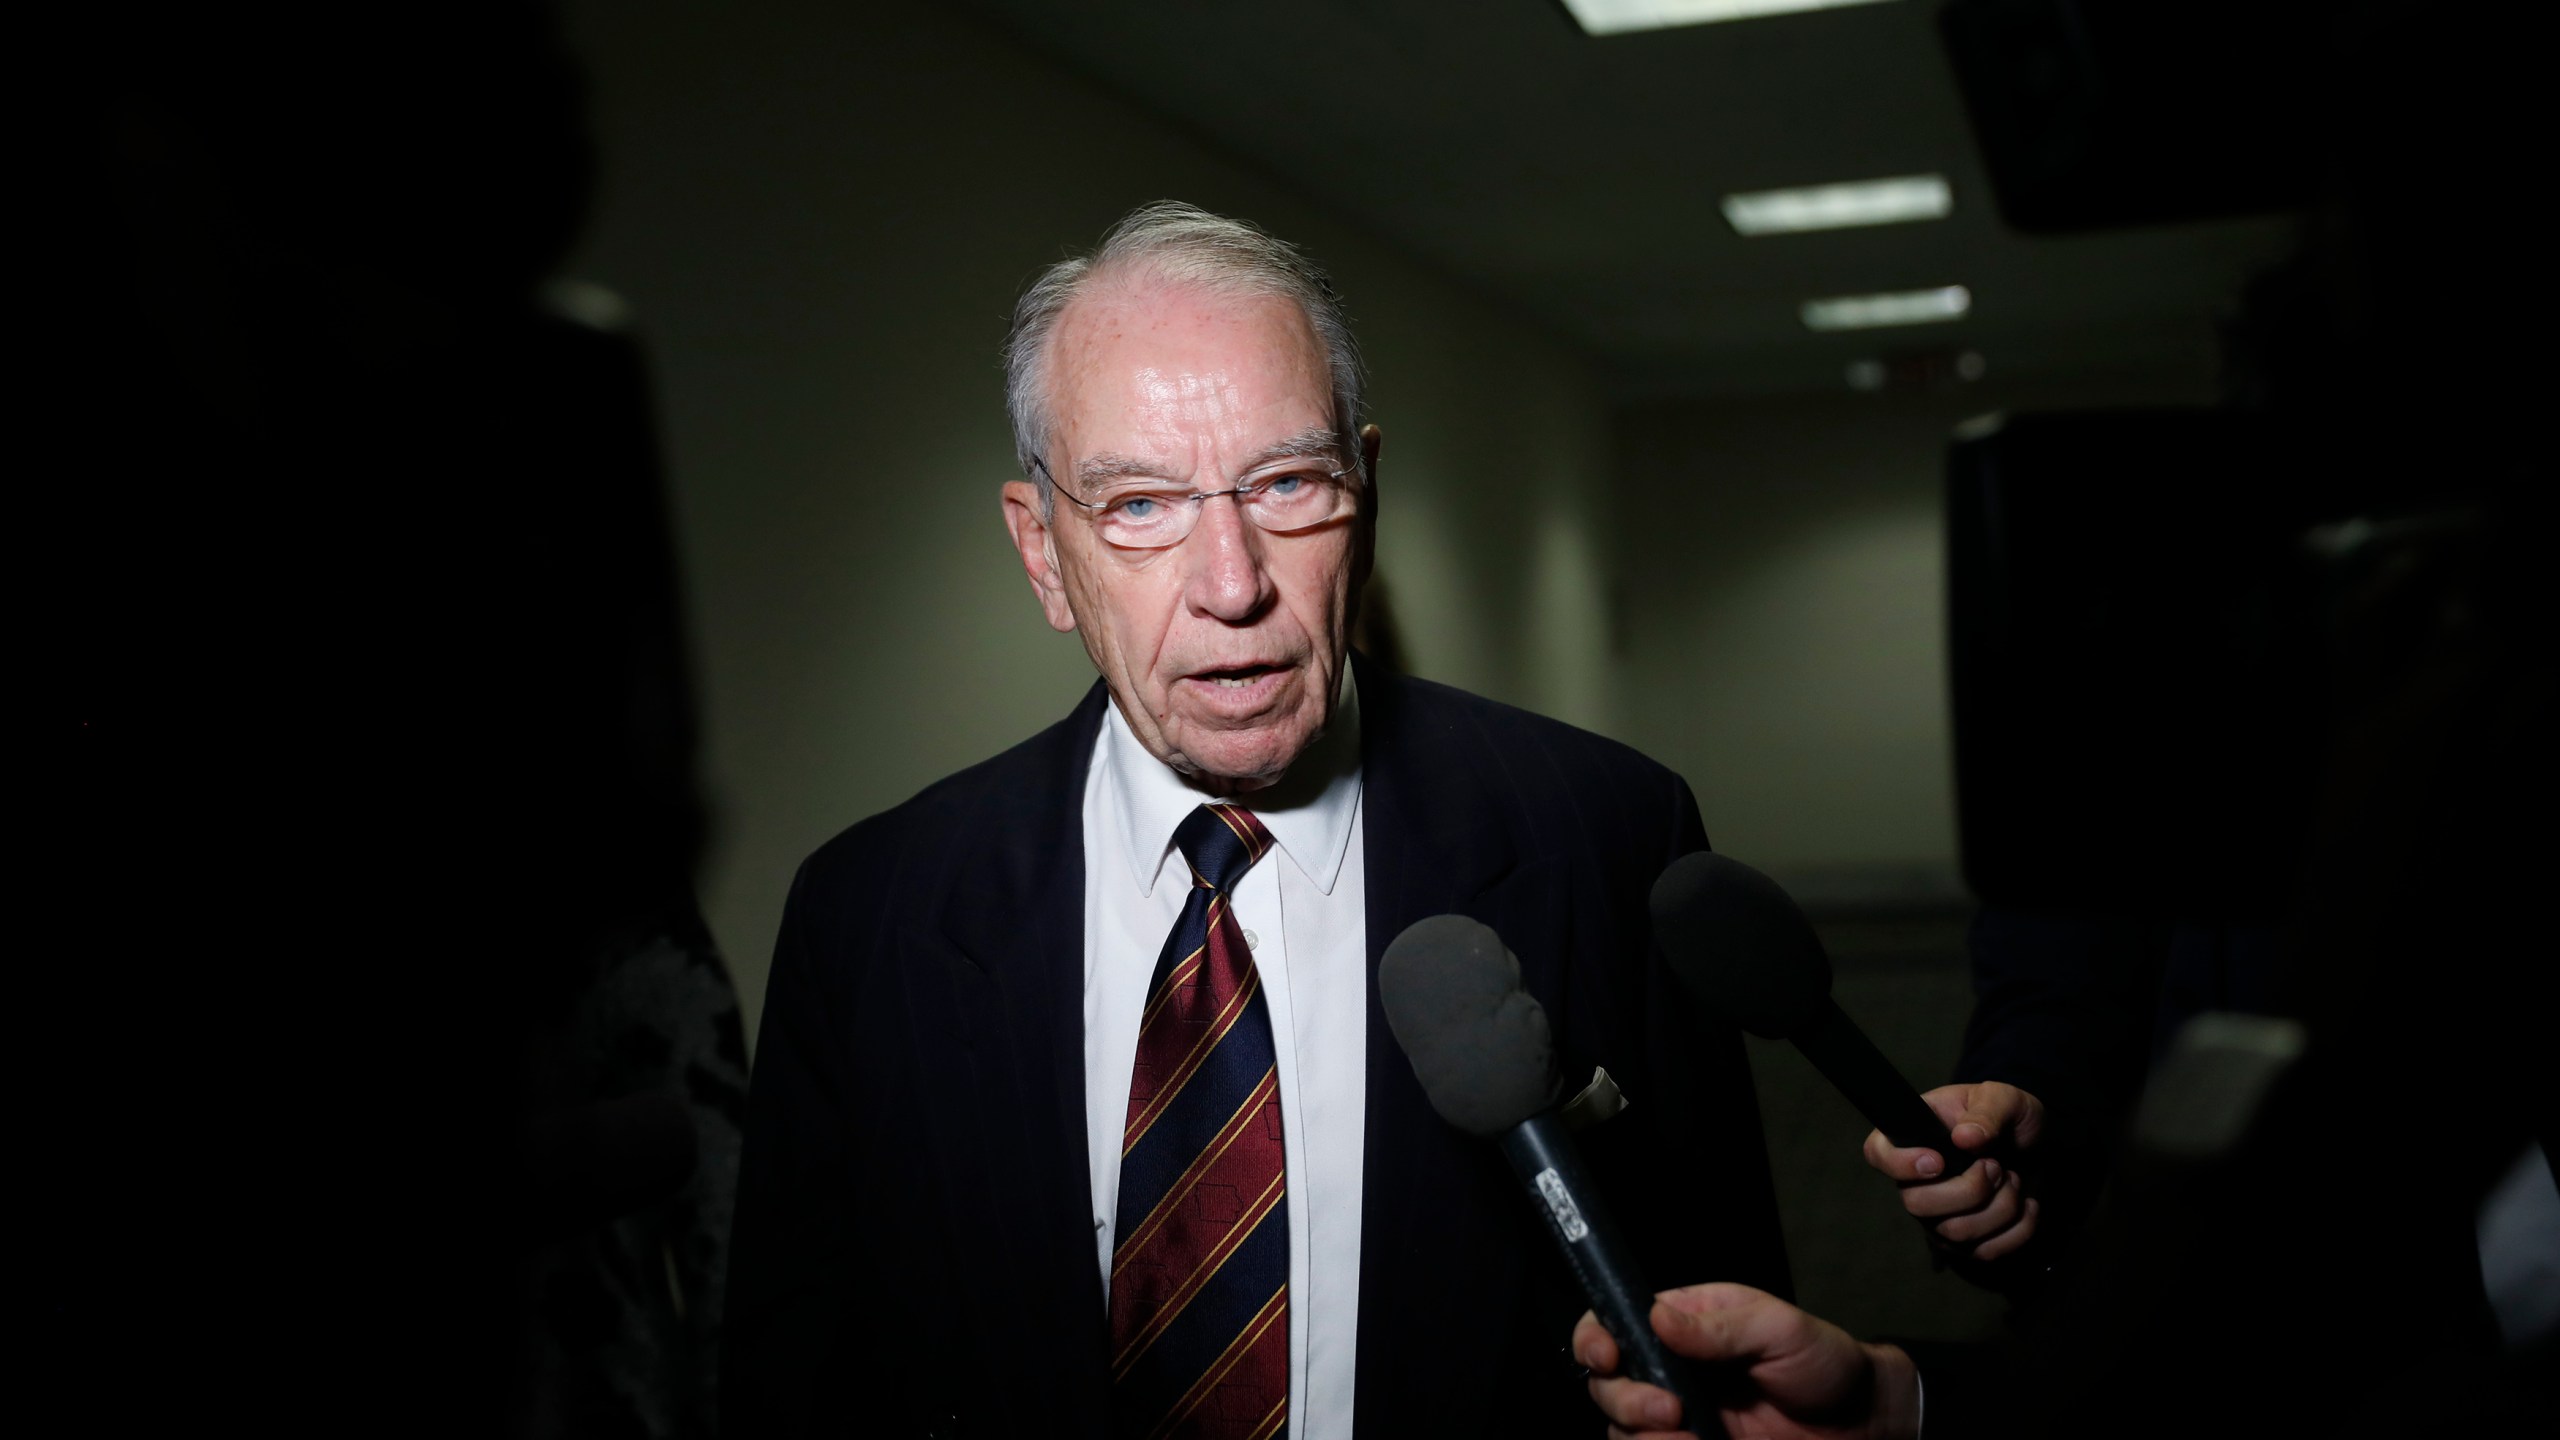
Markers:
(1152, 519)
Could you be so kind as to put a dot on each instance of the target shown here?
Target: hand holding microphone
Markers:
(1737, 942)
(1790, 1375)
(1986, 1206)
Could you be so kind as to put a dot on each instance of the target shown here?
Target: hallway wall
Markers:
(820, 216)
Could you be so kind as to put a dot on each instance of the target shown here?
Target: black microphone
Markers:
(1481, 1048)
(1738, 943)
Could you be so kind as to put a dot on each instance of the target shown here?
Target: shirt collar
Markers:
(1309, 813)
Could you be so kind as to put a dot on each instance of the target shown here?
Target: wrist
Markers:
(1896, 1414)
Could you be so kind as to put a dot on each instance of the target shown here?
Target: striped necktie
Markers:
(1200, 1272)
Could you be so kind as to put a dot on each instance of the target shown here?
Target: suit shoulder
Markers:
(1048, 768)
(1444, 710)
(1548, 782)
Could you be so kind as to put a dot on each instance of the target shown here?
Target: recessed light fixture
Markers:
(1838, 207)
(1940, 369)
(1617, 17)
(1897, 307)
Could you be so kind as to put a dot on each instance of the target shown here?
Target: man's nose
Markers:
(1228, 579)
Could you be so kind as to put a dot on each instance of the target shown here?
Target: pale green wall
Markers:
(1783, 616)
(820, 214)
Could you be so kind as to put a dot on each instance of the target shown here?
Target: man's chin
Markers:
(1239, 760)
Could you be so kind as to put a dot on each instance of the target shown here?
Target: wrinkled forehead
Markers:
(1158, 365)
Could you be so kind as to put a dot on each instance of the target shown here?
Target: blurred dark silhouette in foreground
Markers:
(366, 773)
(2250, 709)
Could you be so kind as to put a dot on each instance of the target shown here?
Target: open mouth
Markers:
(1238, 677)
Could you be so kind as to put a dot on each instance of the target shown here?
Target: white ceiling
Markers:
(1576, 179)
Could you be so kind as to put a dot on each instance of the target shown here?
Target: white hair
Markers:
(1171, 243)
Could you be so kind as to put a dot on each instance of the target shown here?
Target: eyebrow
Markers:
(1315, 443)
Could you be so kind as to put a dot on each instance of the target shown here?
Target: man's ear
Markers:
(1365, 553)
(1038, 546)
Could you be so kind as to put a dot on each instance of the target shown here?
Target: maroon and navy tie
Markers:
(1200, 1273)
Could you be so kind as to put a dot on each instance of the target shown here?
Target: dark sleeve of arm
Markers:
(790, 1357)
(2062, 1003)
(1977, 1390)
(2063, 1007)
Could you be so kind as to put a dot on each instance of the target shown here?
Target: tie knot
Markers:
(1221, 842)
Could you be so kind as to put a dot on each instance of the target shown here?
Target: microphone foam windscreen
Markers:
(1478, 1042)
(1740, 944)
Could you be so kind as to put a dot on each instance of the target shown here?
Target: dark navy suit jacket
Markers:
(914, 1248)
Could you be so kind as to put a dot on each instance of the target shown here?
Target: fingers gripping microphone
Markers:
(1740, 944)
(1480, 1046)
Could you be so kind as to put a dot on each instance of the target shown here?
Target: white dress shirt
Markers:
(1303, 912)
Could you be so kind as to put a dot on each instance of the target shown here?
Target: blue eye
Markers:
(1139, 507)
(1284, 486)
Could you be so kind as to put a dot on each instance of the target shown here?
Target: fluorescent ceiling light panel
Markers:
(1617, 17)
(1899, 307)
(1838, 207)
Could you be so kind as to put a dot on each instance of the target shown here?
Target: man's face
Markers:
(1224, 652)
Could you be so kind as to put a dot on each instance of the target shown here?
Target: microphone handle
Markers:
(1541, 1150)
(1857, 1069)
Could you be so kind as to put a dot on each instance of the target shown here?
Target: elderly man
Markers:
(1074, 1107)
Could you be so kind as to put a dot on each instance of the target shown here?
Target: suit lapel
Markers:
(1015, 918)
(1438, 842)
(1434, 845)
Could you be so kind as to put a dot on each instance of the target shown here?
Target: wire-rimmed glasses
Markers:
(1152, 516)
